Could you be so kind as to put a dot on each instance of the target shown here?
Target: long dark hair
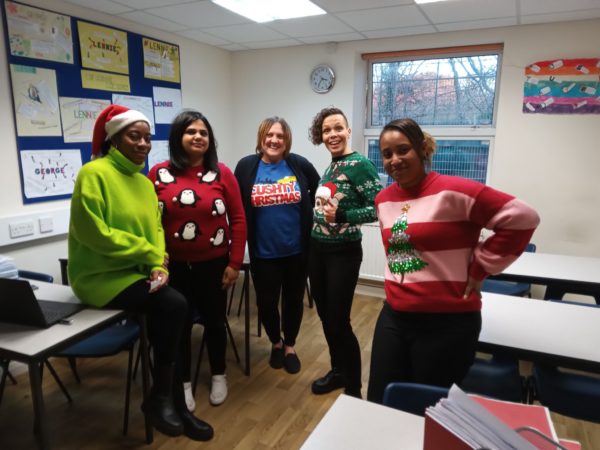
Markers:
(178, 157)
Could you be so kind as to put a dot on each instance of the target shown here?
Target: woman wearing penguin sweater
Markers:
(205, 233)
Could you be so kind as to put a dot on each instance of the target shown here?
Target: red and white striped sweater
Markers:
(445, 219)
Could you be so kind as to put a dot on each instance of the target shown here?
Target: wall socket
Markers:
(19, 229)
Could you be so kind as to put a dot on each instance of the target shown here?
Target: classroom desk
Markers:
(33, 345)
(353, 424)
(559, 273)
(554, 333)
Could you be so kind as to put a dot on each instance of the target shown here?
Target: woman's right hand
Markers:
(329, 210)
(157, 280)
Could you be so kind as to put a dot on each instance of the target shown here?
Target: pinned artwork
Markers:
(562, 86)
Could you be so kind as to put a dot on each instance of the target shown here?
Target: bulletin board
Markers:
(63, 72)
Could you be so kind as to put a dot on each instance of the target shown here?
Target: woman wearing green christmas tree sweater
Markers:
(344, 201)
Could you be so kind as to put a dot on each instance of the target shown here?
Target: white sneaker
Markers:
(189, 396)
(218, 389)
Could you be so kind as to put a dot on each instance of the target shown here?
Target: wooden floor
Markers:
(268, 410)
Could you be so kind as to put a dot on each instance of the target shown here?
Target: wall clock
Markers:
(322, 79)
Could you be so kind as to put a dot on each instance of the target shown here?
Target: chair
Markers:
(509, 287)
(571, 394)
(412, 397)
(496, 377)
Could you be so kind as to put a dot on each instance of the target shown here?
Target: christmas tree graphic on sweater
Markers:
(402, 256)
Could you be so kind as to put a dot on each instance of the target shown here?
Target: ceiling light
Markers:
(268, 10)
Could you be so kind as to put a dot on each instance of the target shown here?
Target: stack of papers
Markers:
(485, 423)
(8, 268)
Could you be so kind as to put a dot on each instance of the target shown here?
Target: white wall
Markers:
(206, 85)
(550, 161)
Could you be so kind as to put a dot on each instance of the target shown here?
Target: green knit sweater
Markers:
(115, 235)
(356, 185)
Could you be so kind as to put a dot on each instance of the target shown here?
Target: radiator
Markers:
(374, 261)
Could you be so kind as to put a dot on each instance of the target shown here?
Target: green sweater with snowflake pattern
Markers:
(352, 182)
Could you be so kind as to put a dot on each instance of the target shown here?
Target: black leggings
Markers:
(427, 348)
(165, 311)
(285, 277)
(201, 284)
(333, 270)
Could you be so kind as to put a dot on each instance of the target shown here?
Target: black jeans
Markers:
(201, 284)
(427, 348)
(165, 311)
(333, 271)
(285, 277)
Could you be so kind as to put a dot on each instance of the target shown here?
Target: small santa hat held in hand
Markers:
(113, 119)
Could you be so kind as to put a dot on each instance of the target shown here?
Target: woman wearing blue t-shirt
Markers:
(278, 192)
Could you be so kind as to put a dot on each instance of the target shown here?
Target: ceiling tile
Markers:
(552, 6)
(331, 38)
(477, 24)
(351, 5)
(376, 19)
(233, 47)
(251, 32)
(199, 15)
(309, 26)
(465, 10)
(560, 17)
(107, 7)
(273, 44)
(152, 21)
(404, 31)
(145, 4)
(205, 38)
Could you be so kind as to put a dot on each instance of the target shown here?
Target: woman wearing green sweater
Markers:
(117, 257)
(344, 200)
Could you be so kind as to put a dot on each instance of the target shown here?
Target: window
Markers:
(450, 92)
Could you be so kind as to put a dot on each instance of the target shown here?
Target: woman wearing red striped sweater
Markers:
(430, 224)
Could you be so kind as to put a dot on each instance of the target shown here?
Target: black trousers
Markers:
(165, 310)
(333, 271)
(275, 278)
(428, 348)
(201, 284)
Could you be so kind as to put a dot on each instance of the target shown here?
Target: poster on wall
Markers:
(35, 100)
(90, 79)
(103, 48)
(40, 34)
(141, 104)
(562, 86)
(161, 61)
(167, 104)
(47, 173)
(79, 116)
(159, 153)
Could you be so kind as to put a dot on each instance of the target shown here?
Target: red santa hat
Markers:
(113, 119)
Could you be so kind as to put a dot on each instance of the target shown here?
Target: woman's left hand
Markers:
(157, 280)
(230, 275)
(329, 210)
(473, 285)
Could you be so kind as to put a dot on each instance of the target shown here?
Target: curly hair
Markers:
(315, 132)
(423, 143)
(265, 127)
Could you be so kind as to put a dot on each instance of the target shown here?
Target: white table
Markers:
(353, 424)
(33, 345)
(550, 332)
(559, 273)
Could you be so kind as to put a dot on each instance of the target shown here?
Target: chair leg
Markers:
(235, 351)
(139, 357)
(309, 295)
(56, 378)
(128, 390)
(241, 298)
(73, 365)
(230, 298)
(10, 376)
(4, 365)
(197, 371)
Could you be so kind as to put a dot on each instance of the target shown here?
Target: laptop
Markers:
(19, 305)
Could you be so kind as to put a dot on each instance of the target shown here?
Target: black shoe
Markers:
(291, 363)
(330, 382)
(277, 358)
(161, 412)
(194, 428)
(353, 392)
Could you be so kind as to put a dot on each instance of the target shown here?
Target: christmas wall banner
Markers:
(562, 86)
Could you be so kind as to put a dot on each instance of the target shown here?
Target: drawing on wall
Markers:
(141, 104)
(40, 34)
(159, 153)
(167, 104)
(562, 86)
(103, 48)
(78, 117)
(35, 100)
(161, 60)
(47, 173)
(90, 79)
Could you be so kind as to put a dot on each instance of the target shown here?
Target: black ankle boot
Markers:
(159, 406)
(330, 382)
(194, 428)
